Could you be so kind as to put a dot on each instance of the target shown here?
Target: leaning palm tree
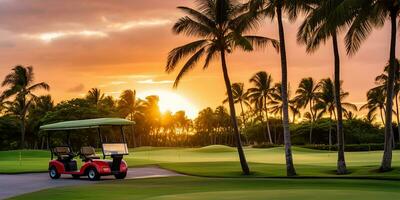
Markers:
(261, 93)
(274, 9)
(220, 25)
(306, 96)
(21, 86)
(362, 16)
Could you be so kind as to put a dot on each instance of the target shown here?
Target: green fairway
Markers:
(191, 188)
(222, 161)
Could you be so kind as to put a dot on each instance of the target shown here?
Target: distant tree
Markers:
(21, 86)
(260, 94)
(307, 96)
(95, 96)
(375, 103)
(241, 97)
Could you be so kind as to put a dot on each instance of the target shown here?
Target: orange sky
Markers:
(123, 44)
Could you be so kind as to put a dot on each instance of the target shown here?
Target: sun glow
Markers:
(173, 102)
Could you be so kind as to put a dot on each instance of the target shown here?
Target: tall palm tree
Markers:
(306, 96)
(21, 85)
(261, 93)
(220, 25)
(376, 103)
(362, 16)
(274, 9)
(95, 96)
(317, 28)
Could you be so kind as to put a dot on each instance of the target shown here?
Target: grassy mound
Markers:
(215, 149)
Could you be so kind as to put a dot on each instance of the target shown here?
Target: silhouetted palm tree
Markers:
(326, 102)
(220, 25)
(95, 96)
(241, 97)
(261, 93)
(375, 103)
(21, 85)
(362, 17)
(274, 9)
(306, 96)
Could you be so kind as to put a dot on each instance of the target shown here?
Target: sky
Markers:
(123, 44)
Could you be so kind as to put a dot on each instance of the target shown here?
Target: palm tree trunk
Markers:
(312, 121)
(341, 162)
(267, 118)
(290, 170)
(397, 110)
(244, 122)
(330, 130)
(387, 153)
(383, 120)
(22, 121)
(242, 157)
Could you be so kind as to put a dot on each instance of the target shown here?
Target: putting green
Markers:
(194, 188)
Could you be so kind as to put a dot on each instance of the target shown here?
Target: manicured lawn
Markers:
(221, 161)
(193, 188)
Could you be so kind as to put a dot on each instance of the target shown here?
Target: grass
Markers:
(193, 188)
(222, 161)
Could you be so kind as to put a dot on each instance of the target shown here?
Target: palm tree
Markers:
(241, 97)
(220, 25)
(326, 101)
(362, 17)
(261, 93)
(306, 96)
(276, 102)
(316, 28)
(272, 9)
(382, 81)
(95, 96)
(375, 103)
(21, 85)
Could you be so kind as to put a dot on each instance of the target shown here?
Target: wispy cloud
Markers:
(104, 30)
(50, 36)
(151, 81)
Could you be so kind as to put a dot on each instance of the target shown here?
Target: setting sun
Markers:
(170, 101)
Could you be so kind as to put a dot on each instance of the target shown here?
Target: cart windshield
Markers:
(110, 149)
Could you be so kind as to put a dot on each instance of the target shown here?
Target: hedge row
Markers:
(349, 147)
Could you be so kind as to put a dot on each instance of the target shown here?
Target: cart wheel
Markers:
(93, 175)
(120, 175)
(74, 176)
(54, 173)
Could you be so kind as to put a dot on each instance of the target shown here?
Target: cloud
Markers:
(102, 32)
(50, 36)
(78, 88)
(151, 81)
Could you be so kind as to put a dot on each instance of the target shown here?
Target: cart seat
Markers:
(88, 153)
(63, 153)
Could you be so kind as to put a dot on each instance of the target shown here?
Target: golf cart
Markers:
(92, 165)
